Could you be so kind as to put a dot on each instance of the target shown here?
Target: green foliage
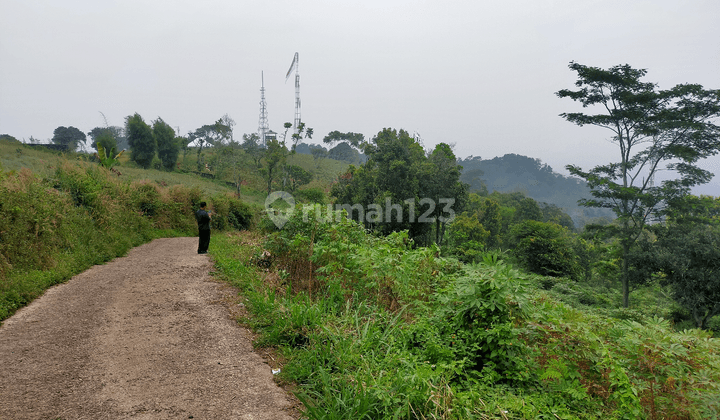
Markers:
(343, 152)
(298, 177)
(687, 253)
(141, 140)
(68, 136)
(398, 175)
(467, 238)
(117, 133)
(168, 146)
(230, 212)
(311, 195)
(478, 311)
(7, 138)
(252, 147)
(353, 139)
(53, 227)
(106, 139)
(275, 157)
(107, 157)
(654, 130)
(545, 249)
(372, 326)
(513, 173)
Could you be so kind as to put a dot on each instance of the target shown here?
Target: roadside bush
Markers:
(146, 198)
(53, 228)
(230, 212)
(179, 204)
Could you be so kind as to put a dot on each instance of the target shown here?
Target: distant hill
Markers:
(511, 173)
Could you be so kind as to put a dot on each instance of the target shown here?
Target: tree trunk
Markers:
(437, 230)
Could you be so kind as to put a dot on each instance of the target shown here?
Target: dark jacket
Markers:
(203, 219)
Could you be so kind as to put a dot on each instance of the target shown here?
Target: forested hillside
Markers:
(513, 173)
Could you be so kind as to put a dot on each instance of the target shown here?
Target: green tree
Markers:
(168, 145)
(302, 131)
(344, 152)
(251, 145)
(397, 161)
(545, 249)
(8, 138)
(69, 136)
(298, 176)
(490, 218)
(553, 213)
(402, 188)
(318, 153)
(353, 139)
(275, 158)
(654, 130)
(687, 253)
(467, 238)
(116, 132)
(212, 134)
(141, 140)
(106, 140)
(441, 184)
(528, 209)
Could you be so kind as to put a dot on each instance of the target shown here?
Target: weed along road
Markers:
(145, 336)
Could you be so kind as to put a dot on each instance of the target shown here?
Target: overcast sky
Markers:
(479, 74)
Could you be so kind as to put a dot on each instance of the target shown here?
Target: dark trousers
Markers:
(204, 241)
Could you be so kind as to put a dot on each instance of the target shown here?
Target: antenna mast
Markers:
(295, 65)
(263, 126)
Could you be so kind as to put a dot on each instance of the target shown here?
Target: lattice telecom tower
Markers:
(295, 65)
(263, 126)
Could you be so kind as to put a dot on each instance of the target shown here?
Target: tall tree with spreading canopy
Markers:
(69, 136)
(141, 139)
(213, 134)
(654, 130)
(353, 139)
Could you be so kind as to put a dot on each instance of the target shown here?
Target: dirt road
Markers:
(143, 337)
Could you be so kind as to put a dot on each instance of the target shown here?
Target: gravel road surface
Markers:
(146, 336)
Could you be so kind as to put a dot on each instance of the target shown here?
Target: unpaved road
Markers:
(145, 336)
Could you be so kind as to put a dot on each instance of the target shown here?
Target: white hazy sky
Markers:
(480, 74)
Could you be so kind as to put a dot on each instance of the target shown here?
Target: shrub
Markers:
(230, 212)
(310, 195)
(53, 228)
(545, 249)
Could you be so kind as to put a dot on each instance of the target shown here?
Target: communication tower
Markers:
(263, 126)
(295, 65)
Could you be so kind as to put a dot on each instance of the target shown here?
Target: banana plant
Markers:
(109, 159)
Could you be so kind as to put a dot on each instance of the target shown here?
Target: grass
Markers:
(72, 214)
(360, 339)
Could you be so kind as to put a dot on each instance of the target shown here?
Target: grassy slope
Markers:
(350, 357)
(62, 214)
(21, 283)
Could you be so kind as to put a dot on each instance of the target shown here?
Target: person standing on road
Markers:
(203, 218)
